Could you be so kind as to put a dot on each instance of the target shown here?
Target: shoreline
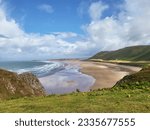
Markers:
(67, 81)
(106, 74)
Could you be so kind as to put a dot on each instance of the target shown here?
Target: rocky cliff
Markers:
(13, 85)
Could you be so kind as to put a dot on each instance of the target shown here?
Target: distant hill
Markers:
(13, 85)
(134, 53)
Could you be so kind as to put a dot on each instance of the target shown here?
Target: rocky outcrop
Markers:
(13, 85)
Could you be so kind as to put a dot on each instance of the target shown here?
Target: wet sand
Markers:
(67, 81)
(106, 74)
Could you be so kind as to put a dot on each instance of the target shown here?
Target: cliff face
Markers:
(13, 85)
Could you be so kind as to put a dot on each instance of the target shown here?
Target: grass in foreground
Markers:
(110, 100)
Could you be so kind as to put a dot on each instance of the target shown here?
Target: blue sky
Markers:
(45, 29)
(65, 15)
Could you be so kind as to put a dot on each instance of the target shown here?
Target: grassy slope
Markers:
(113, 100)
(133, 53)
(140, 80)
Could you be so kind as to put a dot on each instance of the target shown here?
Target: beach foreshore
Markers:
(91, 76)
(106, 74)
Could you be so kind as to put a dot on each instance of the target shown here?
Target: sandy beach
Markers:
(89, 75)
(106, 74)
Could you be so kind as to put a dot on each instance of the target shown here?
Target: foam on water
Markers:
(44, 70)
(39, 68)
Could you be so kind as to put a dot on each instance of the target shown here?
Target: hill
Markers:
(131, 94)
(13, 85)
(134, 53)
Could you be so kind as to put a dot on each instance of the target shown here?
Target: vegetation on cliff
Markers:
(13, 85)
(139, 80)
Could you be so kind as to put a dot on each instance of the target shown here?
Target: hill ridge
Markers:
(132, 53)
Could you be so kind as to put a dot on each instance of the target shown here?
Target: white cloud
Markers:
(105, 33)
(8, 27)
(46, 7)
(96, 9)
(19, 50)
(16, 44)
(83, 7)
(65, 34)
(129, 27)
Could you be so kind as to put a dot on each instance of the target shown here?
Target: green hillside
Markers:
(134, 53)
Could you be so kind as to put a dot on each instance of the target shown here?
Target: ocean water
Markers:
(56, 77)
(39, 68)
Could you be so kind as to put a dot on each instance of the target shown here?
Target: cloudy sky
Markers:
(45, 29)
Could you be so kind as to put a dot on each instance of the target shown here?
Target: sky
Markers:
(54, 29)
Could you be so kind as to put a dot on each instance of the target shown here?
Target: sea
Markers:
(56, 77)
(38, 68)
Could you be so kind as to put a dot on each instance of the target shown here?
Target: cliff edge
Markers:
(13, 85)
